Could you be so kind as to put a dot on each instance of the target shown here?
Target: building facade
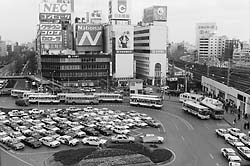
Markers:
(150, 46)
(230, 45)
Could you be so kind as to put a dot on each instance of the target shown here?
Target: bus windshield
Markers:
(219, 112)
(204, 112)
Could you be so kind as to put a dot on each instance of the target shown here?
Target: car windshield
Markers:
(231, 153)
(219, 112)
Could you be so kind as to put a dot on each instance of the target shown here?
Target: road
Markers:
(192, 140)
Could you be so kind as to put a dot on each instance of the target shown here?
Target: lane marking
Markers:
(173, 157)
(12, 155)
(183, 139)
(217, 164)
(163, 127)
(211, 155)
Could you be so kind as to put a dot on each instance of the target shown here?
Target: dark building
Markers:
(75, 70)
(230, 45)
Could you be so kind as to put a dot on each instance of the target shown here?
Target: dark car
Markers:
(90, 131)
(153, 123)
(32, 142)
(22, 102)
(15, 144)
(62, 132)
(36, 135)
(71, 133)
(104, 131)
(62, 125)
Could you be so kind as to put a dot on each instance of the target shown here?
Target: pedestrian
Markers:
(234, 122)
(248, 125)
(238, 116)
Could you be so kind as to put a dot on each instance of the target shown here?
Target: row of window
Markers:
(141, 58)
(141, 31)
(142, 38)
(84, 74)
(141, 44)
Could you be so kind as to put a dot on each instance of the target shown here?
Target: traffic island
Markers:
(133, 154)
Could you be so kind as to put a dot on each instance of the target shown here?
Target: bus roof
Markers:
(212, 103)
(117, 94)
(192, 94)
(195, 104)
(45, 95)
(145, 96)
(79, 95)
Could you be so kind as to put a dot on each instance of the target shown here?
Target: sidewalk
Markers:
(229, 118)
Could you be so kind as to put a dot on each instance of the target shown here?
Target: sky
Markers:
(19, 18)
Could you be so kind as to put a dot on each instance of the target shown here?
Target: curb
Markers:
(228, 122)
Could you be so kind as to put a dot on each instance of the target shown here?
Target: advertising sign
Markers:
(89, 35)
(155, 13)
(124, 38)
(119, 9)
(50, 27)
(51, 39)
(206, 29)
(55, 6)
(50, 33)
(50, 17)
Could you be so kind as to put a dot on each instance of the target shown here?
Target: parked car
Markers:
(93, 141)
(151, 138)
(230, 154)
(221, 132)
(245, 152)
(235, 132)
(15, 144)
(22, 102)
(49, 141)
(245, 139)
(68, 140)
(32, 142)
(122, 139)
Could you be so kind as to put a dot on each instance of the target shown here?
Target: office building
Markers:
(3, 48)
(230, 45)
(150, 46)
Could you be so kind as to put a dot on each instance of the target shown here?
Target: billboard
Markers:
(89, 35)
(50, 17)
(119, 9)
(50, 27)
(55, 6)
(206, 29)
(155, 13)
(51, 39)
(124, 38)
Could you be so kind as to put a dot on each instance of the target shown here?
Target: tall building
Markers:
(205, 36)
(241, 54)
(3, 48)
(150, 46)
(230, 45)
(119, 39)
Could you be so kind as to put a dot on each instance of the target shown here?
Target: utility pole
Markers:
(228, 71)
(186, 82)
(207, 70)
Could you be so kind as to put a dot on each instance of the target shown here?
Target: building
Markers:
(136, 86)
(150, 46)
(230, 45)
(119, 39)
(3, 48)
(241, 55)
(76, 70)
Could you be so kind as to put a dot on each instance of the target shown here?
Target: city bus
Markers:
(190, 97)
(215, 107)
(62, 96)
(146, 100)
(109, 97)
(81, 98)
(19, 93)
(45, 99)
(196, 109)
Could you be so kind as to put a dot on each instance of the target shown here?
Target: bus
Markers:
(62, 96)
(19, 93)
(146, 100)
(79, 98)
(109, 97)
(196, 109)
(45, 99)
(190, 97)
(215, 107)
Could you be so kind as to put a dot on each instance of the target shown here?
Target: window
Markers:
(141, 44)
(141, 31)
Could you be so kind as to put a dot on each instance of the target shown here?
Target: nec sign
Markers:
(55, 8)
(89, 35)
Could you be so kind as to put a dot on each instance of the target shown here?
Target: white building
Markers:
(3, 48)
(150, 42)
(119, 39)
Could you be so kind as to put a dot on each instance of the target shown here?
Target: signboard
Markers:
(155, 13)
(55, 7)
(51, 39)
(119, 9)
(89, 35)
(50, 27)
(124, 38)
(50, 33)
(50, 17)
(206, 29)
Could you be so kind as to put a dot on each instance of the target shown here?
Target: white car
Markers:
(245, 152)
(93, 141)
(237, 144)
(232, 163)
(151, 138)
(230, 154)
(122, 139)
(221, 132)
(230, 139)
(235, 132)
(17, 135)
(49, 141)
(245, 139)
(120, 130)
(68, 140)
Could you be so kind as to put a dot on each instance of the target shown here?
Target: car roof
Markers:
(229, 149)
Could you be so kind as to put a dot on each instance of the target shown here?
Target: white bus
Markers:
(146, 100)
(196, 109)
(79, 98)
(62, 96)
(215, 107)
(18, 92)
(46, 99)
(190, 97)
(109, 97)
